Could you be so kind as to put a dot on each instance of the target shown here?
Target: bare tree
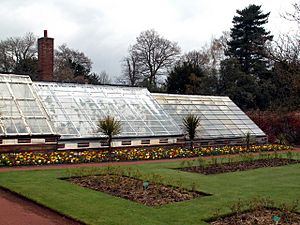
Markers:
(285, 49)
(7, 62)
(19, 54)
(216, 50)
(295, 15)
(196, 58)
(285, 56)
(155, 55)
(104, 78)
(209, 57)
(130, 69)
(71, 65)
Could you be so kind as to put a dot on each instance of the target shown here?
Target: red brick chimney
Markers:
(45, 57)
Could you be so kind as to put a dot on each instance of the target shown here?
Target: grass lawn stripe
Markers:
(281, 184)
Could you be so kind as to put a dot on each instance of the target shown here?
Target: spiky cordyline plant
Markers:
(110, 127)
(190, 125)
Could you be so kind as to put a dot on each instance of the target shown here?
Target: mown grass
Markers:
(280, 184)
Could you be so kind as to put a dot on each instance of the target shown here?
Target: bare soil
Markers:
(133, 189)
(239, 166)
(260, 217)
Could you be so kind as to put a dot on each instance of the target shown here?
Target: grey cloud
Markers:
(104, 29)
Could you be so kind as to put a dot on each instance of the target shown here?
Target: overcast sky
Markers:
(104, 29)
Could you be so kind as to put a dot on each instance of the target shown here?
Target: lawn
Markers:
(281, 184)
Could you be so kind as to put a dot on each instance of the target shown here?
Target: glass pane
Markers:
(44, 126)
(4, 92)
(14, 126)
(9, 108)
(34, 126)
(38, 126)
(19, 124)
(29, 108)
(9, 126)
(21, 90)
(1, 129)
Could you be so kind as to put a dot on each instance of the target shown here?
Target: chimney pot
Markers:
(45, 33)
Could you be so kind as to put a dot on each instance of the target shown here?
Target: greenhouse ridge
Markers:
(51, 115)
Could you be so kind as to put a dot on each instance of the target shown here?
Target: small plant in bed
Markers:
(245, 163)
(141, 191)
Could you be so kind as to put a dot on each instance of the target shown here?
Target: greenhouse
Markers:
(75, 110)
(65, 116)
(219, 117)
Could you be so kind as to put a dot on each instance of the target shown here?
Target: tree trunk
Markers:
(109, 148)
(191, 144)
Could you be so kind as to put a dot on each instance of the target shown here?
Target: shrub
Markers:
(280, 128)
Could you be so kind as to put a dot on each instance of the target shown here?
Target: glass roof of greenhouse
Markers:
(75, 109)
(21, 111)
(219, 116)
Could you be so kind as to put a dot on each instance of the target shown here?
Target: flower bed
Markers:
(217, 168)
(133, 189)
(260, 217)
(61, 157)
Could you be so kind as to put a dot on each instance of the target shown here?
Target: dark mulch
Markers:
(260, 217)
(239, 166)
(132, 189)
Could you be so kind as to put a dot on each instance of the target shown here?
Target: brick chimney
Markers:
(45, 57)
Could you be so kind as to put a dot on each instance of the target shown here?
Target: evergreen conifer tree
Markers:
(249, 39)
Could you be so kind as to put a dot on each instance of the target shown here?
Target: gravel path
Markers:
(19, 211)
